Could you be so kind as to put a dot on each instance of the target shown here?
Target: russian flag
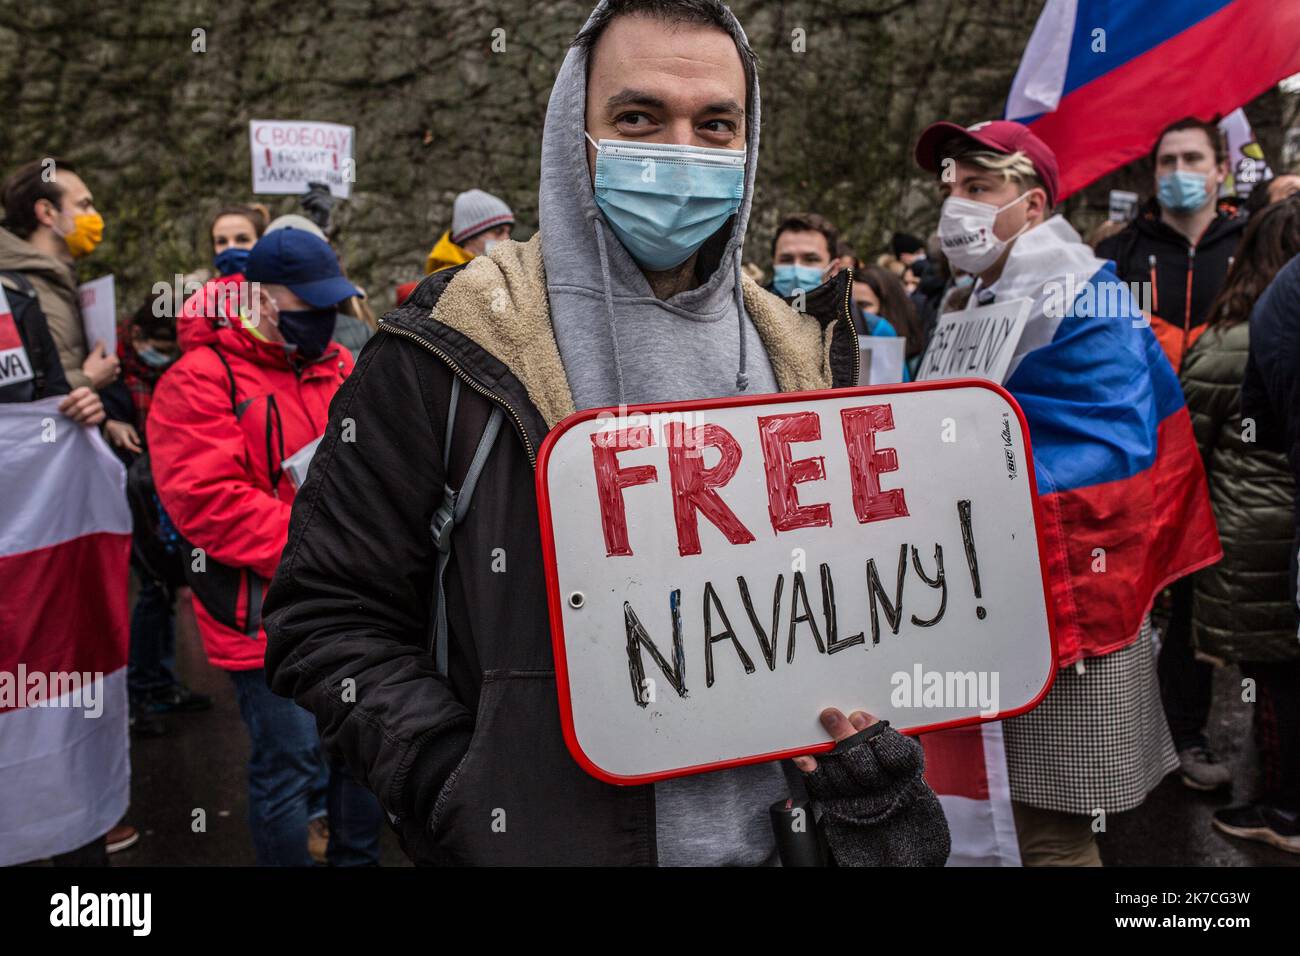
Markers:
(1122, 488)
(1124, 504)
(65, 542)
(1100, 79)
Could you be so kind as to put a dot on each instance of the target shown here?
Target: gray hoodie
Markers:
(618, 342)
(621, 345)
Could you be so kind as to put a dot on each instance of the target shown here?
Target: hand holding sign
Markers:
(100, 366)
(840, 728)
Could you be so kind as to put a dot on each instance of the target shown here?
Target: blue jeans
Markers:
(289, 783)
(152, 661)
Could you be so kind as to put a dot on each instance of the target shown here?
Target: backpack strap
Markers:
(454, 507)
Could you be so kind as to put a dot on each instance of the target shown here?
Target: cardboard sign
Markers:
(289, 154)
(721, 571)
(882, 359)
(15, 367)
(978, 343)
(99, 312)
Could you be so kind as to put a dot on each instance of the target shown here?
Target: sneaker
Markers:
(178, 699)
(1201, 769)
(1257, 821)
(121, 837)
(318, 838)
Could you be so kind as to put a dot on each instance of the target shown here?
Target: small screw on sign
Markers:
(577, 599)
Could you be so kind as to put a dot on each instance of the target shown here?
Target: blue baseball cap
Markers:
(306, 265)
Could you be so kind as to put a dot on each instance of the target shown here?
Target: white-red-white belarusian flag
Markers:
(967, 768)
(65, 542)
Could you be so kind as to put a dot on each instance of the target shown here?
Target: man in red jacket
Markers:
(223, 422)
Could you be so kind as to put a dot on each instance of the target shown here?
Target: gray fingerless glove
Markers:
(877, 809)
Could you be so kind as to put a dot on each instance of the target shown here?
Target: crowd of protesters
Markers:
(216, 401)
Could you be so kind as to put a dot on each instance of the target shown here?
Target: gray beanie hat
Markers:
(475, 212)
(294, 221)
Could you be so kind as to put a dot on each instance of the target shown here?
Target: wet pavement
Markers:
(199, 765)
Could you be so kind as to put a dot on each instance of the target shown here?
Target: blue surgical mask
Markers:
(308, 330)
(154, 358)
(1182, 191)
(663, 200)
(231, 260)
(788, 279)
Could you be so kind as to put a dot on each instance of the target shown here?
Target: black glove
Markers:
(317, 202)
(877, 809)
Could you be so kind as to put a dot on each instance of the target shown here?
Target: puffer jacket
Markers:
(352, 598)
(1243, 605)
(216, 461)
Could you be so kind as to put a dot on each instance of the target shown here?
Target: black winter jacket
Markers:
(1243, 609)
(1175, 258)
(1270, 394)
(472, 767)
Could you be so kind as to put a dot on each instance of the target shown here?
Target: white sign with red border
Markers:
(721, 571)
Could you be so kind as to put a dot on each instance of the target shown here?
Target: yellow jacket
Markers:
(446, 254)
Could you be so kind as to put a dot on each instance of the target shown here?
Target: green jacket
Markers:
(1244, 608)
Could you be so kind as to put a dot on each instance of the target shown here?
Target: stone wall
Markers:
(161, 131)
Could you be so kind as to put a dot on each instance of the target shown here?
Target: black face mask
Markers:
(309, 329)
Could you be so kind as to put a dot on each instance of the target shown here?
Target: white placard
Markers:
(975, 343)
(882, 359)
(296, 465)
(99, 312)
(15, 367)
(289, 154)
(1123, 205)
(823, 535)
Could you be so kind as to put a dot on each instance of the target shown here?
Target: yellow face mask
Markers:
(87, 232)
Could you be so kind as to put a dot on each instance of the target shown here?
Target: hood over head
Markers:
(594, 286)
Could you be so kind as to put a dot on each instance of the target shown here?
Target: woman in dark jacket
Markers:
(1244, 608)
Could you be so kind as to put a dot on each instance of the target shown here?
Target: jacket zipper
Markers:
(853, 329)
(1187, 305)
(468, 380)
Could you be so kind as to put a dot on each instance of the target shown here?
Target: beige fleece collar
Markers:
(499, 302)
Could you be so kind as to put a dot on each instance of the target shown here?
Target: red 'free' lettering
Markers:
(866, 463)
(777, 433)
(694, 486)
(611, 480)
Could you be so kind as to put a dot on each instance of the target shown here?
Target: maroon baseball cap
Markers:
(1000, 136)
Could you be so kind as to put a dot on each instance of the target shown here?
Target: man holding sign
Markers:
(1119, 477)
(50, 221)
(632, 292)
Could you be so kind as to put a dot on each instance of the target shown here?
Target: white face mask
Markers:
(489, 245)
(966, 232)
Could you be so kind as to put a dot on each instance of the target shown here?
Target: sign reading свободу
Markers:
(722, 571)
(289, 154)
